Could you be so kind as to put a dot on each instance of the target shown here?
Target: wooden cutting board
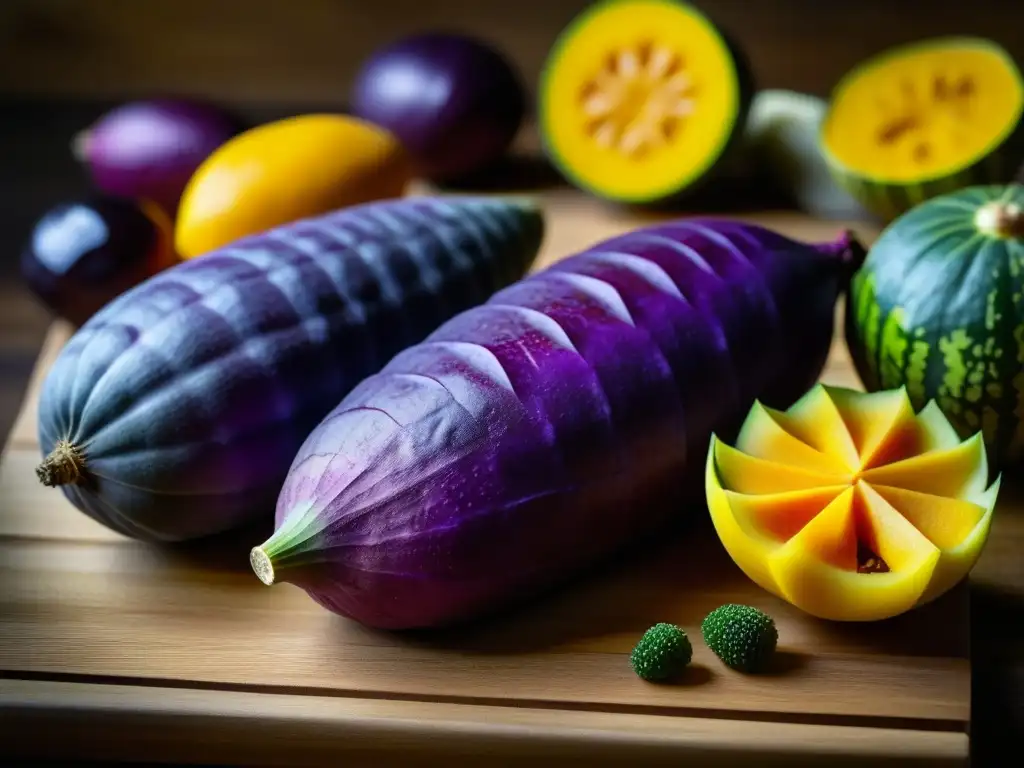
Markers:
(112, 649)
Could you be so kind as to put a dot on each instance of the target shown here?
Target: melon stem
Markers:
(1000, 219)
(64, 465)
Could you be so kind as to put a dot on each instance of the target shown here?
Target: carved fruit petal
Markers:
(815, 420)
(880, 423)
(763, 437)
(780, 516)
(832, 535)
(945, 522)
(935, 433)
(959, 472)
(890, 535)
(828, 592)
(841, 593)
(746, 474)
(746, 548)
(956, 563)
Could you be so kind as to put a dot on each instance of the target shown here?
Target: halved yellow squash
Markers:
(925, 119)
(641, 99)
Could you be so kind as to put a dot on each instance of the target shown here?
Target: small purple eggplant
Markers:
(453, 101)
(534, 435)
(150, 149)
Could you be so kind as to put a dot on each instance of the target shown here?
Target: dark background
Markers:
(302, 51)
(62, 62)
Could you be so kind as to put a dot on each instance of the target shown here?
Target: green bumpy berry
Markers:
(662, 653)
(743, 637)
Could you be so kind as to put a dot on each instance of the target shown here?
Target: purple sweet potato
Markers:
(534, 435)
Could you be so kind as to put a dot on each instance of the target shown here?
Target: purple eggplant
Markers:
(533, 436)
(150, 149)
(175, 411)
(455, 102)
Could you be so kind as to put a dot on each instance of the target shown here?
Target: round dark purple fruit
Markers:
(150, 149)
(454, 102)
(82, 254)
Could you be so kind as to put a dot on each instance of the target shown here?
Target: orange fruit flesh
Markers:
(850, 505)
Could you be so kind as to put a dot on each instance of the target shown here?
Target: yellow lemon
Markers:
(287, 170)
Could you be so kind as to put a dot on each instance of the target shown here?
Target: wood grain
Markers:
(101, 635)
(291, 729)
(309, 51)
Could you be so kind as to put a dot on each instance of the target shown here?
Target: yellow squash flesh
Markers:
(639, 99)
(924, 119)
(927, 112)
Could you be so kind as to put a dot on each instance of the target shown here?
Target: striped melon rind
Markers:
(888, 194)
(937, 307)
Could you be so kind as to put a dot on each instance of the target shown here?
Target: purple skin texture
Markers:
(455, 103)
(532, 436)
(188, 396)
(150, 149)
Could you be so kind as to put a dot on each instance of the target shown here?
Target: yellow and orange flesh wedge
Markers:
(849, 505)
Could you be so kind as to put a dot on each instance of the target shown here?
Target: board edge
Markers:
(124, 722)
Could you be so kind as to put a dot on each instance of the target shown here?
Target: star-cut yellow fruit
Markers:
(850, 505)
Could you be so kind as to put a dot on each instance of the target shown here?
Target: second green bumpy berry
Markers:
(742, 636)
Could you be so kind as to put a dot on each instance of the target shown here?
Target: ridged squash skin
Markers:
(532, 436)
(643, 102)
(927, 101)
(284, 171)
(937, 308)
(175, 412)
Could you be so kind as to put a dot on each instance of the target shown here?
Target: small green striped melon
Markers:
(938, 307)
(923, 120)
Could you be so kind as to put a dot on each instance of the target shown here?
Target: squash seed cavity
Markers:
(934, 109)
(638, 100)
(945, 106)
(869, 561)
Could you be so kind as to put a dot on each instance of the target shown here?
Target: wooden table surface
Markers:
(129, 652)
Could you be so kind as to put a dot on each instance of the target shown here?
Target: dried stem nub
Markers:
(64, 465)
(1000, 219)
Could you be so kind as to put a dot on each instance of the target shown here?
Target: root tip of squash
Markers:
(64, 465)
(261, 565)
